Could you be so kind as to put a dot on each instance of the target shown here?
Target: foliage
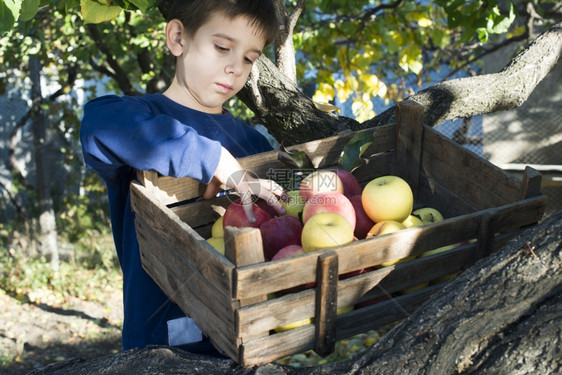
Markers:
(33, 280)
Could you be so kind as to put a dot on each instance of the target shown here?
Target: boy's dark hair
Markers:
(194, 13)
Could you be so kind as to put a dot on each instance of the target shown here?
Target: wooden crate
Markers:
(228, 295)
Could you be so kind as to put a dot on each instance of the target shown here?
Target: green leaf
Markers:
(94, 12)
(9, 11)
(142, 5)
(28, 9)
(298, 159)
(350, 157)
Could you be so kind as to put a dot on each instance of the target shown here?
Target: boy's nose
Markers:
(234, 67)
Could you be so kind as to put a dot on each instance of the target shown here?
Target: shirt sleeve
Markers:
(119, 132)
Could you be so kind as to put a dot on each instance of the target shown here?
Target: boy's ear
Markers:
(174, 34)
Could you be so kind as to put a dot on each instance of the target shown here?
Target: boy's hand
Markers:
(230, 173)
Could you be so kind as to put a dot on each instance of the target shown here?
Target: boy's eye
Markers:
(248, 60)
(221, 48)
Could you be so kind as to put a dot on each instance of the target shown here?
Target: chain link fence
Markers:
(530, 135)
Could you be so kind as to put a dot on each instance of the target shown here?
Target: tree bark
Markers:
(296, 120)
(503, 315)
(47, 224)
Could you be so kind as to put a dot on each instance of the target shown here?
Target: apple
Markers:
(235, 216)
(217, 229)
(278, 232)
(428, 215)
(387, 198)
(267, 207)
(385, 227)
(294, 325)
(326, 230)
(294, 205)
(330, 201)
(363, 222)
(412, 221)
(217, 243)
(288, 252)
(351, 186)
(319, 181)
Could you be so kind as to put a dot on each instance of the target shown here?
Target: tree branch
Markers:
(466, 97)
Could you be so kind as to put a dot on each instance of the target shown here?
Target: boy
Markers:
(182, 132)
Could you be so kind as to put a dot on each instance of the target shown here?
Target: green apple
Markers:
(217, 243)
(217, 230)
(412, 221)
(428, 215)
(325, 230)
(295, 204)
(387, 198)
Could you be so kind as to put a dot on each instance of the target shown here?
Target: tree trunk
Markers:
(47, 226)
(503, 315)
(296, 120)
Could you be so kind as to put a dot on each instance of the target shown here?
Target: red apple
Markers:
(235, 216)
(267, 208)
(321, 180)
(288, 251)
(363, 222)
(278, 233)
(351, 186)
(331, 201)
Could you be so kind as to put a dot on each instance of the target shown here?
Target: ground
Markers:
(33, 335)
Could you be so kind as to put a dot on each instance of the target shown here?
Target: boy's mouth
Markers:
(224, 88)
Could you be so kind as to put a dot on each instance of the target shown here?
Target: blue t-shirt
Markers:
(122, 134)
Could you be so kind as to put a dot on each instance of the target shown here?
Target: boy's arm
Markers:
(230, 173)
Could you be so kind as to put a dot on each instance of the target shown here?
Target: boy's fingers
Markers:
(212, 189)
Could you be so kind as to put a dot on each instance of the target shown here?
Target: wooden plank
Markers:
(201, 212)
(195, 250)
(474, 179)
(409, 137)
(181, 275)
(326, 303)
(271, 348)
(197, 299)
(367, 286)
(286, 273)
(382, 313)
(243, 246)
(531, 183)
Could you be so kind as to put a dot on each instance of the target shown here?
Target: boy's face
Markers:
(217, 61)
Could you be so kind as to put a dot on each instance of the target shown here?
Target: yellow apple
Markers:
(428, 215)
(386, 227)
(321, 180)
(412, 221)
(217, 230)
(325, 230)
(294, 205)
(294, 325)
(387, 198)
(217, 243)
